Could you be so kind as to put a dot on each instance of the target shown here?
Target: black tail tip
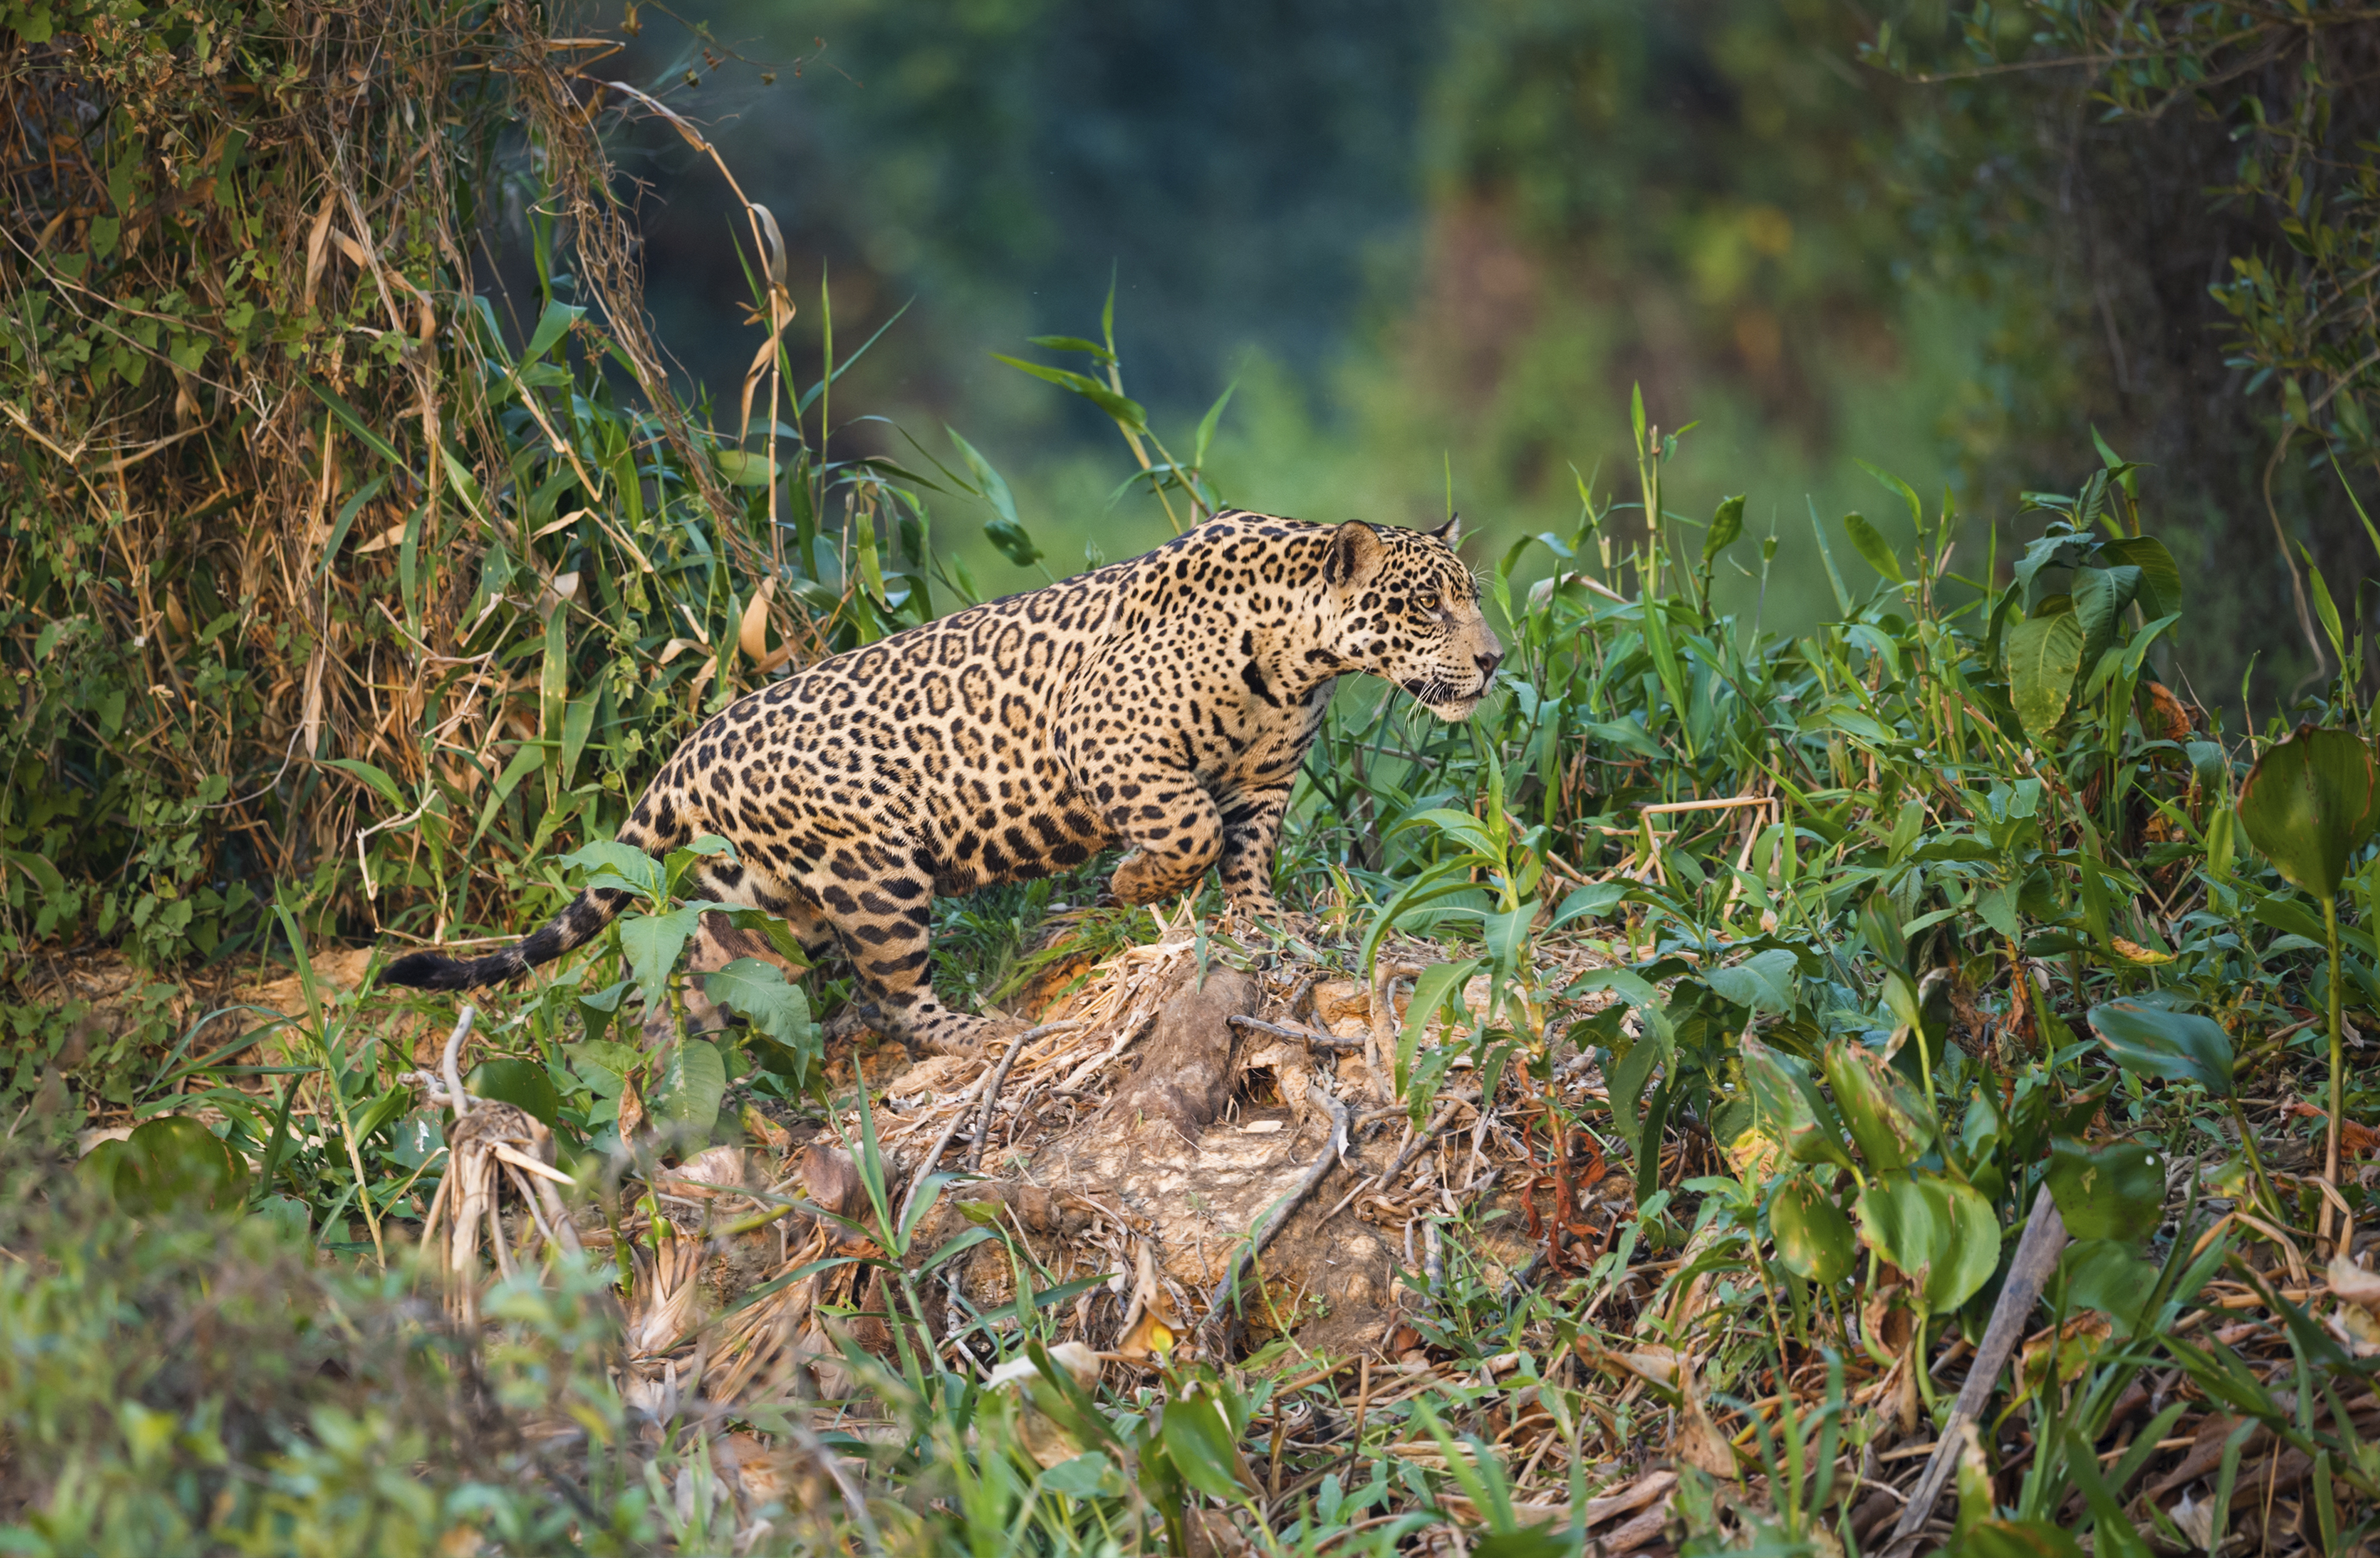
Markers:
(429, 971)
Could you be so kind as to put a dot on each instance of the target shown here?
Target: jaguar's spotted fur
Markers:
(1164, 703)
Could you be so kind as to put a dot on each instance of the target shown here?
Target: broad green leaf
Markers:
(2309, 804)
(1507, 935)
(1907, 494)
(1625, 1078)
(1439, 985)
(780, 938)
(577, 724)
(2172, 1046)
(2114, 1191)
(1629, 987)
(681, 862)
(1996, 906)
(689, 1089)
(1011, 541)
(1790, 1109)
(1885, 1112)
(293, 1218)
(169, 1162)
(1071, 343)
(609, 863)
(742, 469)
(1460, 825)
(653, 943)
(1726, 524)
(380, 1110)
(416, 1137)
(1550, 1539)
(603, 1064)
(2045, 654)
(1198, 1443)
(522, 1084)
(554, 681)
(1813, 1238)
(2289, 914)
(1763, 981)
(557, 318)
(1210, 422)
(1087, 1476)
(1127, 412)
(2160, 585)
(2105, 1275)
(525, 762)
(759, 994)
(52, 882)
(2100, 597)
(1626, 734)
(373, 775)
(361, 425)
(776, 1009)
(1939, 1232)
(1665, 655)
(1590, 902)
(1871, 545)
(989, 482)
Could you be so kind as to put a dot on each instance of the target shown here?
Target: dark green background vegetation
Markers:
(1427, 238)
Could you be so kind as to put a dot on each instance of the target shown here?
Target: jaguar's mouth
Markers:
(1445, 701)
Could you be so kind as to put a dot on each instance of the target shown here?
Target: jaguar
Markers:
(1163, 705)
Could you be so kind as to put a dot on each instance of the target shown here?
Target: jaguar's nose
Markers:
(1487, 664)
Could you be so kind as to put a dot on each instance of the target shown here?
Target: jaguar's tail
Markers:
(577, 925)
(579, 922)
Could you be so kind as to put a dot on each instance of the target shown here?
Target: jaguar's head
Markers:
(1409, 614)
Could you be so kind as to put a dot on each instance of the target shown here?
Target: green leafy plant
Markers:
(2309, 804)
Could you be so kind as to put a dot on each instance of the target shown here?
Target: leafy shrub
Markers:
(186, 1381)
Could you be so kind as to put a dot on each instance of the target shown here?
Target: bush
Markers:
(186, 1381)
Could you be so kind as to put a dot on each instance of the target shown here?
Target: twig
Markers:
(1413, 1144)
(925, 1168)
(1282, 1209)
(991, 1092)
(2036, 1255)
(1304, 1035)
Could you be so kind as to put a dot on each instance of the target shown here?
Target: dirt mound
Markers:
(1194, 1148)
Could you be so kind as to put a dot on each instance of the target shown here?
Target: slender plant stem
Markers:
(2256, 1163)
(2337, 1077)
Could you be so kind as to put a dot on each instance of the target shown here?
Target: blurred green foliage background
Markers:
(1434, 243)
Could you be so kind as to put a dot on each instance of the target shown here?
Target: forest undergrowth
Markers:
(1810, 1074)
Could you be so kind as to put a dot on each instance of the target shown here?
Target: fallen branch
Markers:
(1306, 1036)
(991, 1089)
(2036, 1256)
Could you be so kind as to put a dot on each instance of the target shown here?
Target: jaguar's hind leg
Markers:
(882, 912)
(897, 997)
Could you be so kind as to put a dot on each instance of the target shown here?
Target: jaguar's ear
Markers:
(1354, 552)
(1451, 532)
